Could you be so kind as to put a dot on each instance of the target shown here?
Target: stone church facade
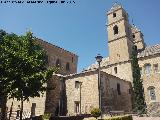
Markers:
(121, 37)
(70, 92)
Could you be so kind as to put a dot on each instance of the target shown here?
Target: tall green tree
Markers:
(3, 97)
(24, 67)
(139, 104)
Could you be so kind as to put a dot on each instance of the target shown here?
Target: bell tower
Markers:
(120, 40)
(138, 38)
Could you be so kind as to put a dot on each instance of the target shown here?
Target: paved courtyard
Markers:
(146, 118)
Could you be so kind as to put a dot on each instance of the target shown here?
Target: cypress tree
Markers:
(139, 105)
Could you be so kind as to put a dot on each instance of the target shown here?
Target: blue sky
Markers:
(79, 27)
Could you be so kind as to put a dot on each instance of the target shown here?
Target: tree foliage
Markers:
(23, 67)
(139, 104)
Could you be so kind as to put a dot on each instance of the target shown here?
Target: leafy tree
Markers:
(139, 104)
(3, 97)
(24, 67)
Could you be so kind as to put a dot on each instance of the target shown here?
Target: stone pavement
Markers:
(145, 118)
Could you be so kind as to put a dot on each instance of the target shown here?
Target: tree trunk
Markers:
(21, 112)
(4, 102)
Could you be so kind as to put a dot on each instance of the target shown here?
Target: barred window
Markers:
(155, 68)
(147, 68)
(152, 93)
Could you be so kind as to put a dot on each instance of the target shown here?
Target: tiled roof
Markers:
(150, 50)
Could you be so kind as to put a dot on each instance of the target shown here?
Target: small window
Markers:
(133, 36)
(77, 106)
(18, 111)
(114, 14)
(72, 59)
(129, 91)
(147, 68)
(58, 63)
(115, 29)
(67, 67)
(118, 89)
(152, 93)
(33, 109)
(115, 70)
(77, 84)
(155, 68)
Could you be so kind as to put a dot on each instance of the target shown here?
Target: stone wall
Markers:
(54, 53)
(152, 79)
(90, 94)
(38, 101)
(124, 70)
(48, 103)
(111, 100)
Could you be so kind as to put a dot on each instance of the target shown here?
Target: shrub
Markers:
(128, 117)
(95, 112)
(46, 115)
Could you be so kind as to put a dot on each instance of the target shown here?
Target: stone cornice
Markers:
(138, 41)
(129, 61)
(136, 32)
(94, 71)
(115, 22)
(149, 56)
(119, 38)
(110, 12)
(114, 64)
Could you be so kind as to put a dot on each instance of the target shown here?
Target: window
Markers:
(115, 28)
(58, 63)
(72, 59)
(77, 84)
(33, 109)
(155, 68)
(114, 14)
(18, 111)
(67, 67)
(77, 103)
(147, 68)
(152, 94)
(115, 70)
(129, 91)
(133, 36)
(118, 89)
